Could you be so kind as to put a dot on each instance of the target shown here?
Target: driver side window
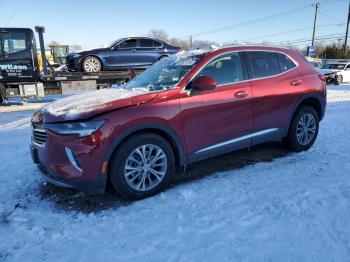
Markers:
(225, 69)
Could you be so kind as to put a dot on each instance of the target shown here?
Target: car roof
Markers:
(250, 47)
(143, 37)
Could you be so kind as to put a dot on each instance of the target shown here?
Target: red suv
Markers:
(188, 107)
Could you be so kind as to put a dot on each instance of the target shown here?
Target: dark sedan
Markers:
(138, 52)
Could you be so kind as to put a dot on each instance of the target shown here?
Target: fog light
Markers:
(73, 159)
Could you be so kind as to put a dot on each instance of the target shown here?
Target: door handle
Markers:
(296, 83)
(133, 50)
(241, 94)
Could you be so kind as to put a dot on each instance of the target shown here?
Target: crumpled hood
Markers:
(83, 106)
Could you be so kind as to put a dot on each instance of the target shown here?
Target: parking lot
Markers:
(288, 206)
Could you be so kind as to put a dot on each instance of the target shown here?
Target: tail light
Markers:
(323, 78)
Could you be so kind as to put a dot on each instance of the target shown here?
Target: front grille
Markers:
(39, 134)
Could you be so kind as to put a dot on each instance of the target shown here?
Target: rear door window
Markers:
(146, 43)
(263, 64)
(13, 42)
(285, 62)
(224, 69)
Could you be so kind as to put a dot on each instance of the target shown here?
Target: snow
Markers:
(293, 208)
(83, 103)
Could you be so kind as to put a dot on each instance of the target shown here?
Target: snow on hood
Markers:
(73, 106)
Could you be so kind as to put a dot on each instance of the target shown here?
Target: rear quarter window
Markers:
(285, 62)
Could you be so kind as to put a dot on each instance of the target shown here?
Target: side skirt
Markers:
(271, 134)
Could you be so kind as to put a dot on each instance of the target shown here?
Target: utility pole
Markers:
(317, 6)
(346, 34)
(190, 40)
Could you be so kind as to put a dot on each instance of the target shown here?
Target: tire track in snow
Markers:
(14, 124)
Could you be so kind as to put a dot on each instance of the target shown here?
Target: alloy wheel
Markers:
(145, 167)
(92, 65)
(306, 129)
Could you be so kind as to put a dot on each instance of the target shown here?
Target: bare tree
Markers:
(159, 34)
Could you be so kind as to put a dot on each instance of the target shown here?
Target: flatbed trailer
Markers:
(20, 75)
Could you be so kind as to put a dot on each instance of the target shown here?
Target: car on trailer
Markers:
(22, 74)
(138, 52)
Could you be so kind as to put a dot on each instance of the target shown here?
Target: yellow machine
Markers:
(56, 55)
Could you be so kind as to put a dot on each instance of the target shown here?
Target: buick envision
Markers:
(189, 107)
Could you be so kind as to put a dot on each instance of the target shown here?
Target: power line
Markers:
(262, 19)
(254, 21)
(329, 17)
(11, 16)
(285, 32)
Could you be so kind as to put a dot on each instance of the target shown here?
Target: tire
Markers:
(2, 93)
(91, 64)
(338, 79)
(298, 138)
(142, 182)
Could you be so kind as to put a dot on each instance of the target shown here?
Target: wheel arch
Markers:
(313, 100)
(162, 56)
(164, 131)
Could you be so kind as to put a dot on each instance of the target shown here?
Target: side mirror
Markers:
(203, 83)
(115, 47)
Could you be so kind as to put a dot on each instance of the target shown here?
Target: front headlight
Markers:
(81, 129)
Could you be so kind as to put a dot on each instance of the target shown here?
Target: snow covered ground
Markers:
(293, 208)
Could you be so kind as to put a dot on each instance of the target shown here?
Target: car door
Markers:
(123, 54)
(274, 78)
(219, 120)
(146, 53)
(17, 60)
(346, 73)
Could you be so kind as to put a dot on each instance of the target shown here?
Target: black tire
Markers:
(292, 139)
(95, 64)
(120, 158)
(2, 93)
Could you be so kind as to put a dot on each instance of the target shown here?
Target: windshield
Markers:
(166, 73)
(334, 66)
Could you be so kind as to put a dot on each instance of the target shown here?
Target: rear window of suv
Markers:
(263, 64)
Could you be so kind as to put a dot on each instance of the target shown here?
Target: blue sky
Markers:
(93, 23)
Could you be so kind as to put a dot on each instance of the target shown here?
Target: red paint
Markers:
(200, 120)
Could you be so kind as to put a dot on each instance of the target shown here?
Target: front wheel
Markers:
(92, 64)
(142, 166)
(304, 129)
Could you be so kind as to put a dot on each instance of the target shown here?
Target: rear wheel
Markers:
(142, 166)
(304, 129)
(91, 64)
(162, 57)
